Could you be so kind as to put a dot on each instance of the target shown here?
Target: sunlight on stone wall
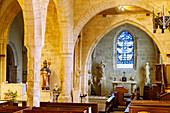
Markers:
(51, 49)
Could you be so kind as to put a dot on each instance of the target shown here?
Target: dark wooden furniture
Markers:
(94, 106)
(151, 106)
(120, 92)
(5, 103)
(83, 109)
(109, 105)
(12, 109)
(165, 96)
(151, 93)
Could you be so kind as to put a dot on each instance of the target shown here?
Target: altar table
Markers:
(132, 83)
(20, 88)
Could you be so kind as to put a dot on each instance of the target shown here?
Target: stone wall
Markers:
(105, 50)
(15, 40)
(51, 49)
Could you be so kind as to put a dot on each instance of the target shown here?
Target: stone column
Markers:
(3, 45)
(67, 69)
(33, 77)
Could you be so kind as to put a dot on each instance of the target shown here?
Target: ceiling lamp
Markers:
(163, 22)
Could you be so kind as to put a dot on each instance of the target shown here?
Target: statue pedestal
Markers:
(46, 96)
(20, 88)
(103, 87)
(76, 96)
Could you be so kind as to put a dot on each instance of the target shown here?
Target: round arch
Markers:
(14, 49)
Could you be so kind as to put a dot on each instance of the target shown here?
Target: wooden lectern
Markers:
(120, 91)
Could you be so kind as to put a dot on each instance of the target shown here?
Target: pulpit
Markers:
(20, 88)
(120, 92)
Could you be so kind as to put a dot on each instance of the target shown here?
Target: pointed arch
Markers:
(94, 10)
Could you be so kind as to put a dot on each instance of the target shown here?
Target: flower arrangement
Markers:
(57, 89)
(132, 78)
(10, 95)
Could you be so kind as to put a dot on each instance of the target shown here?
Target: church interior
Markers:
(85, 56)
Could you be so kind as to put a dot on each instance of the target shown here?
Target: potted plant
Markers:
(10, 95)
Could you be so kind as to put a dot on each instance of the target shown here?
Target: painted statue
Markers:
(45, 75)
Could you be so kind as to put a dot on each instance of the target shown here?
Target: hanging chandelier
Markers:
(163, 22)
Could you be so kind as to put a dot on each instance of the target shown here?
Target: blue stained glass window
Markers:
(125, 48)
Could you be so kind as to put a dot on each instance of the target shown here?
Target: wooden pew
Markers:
(55, 109)
(152, 106)
(94, 106)
(12, 109)
(110, 104)
(129, 100)
(165, 96)
(5, 103)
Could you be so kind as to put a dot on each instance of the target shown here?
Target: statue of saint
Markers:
(147, 80)
(45, 75)
(77, 80)
(101, 70)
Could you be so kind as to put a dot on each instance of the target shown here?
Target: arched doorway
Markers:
(16, 52)
(11, 73)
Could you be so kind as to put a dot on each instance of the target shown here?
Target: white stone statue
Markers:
(101, 70)
(147, 79)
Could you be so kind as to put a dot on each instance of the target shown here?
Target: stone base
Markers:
(46, 96)
(76, 96)
(64, 98)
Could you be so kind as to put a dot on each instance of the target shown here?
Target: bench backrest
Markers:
(153, 106)
(109, 103)
(94, 106)
(55, 109)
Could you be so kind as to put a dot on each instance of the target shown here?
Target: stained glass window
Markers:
(125, 50)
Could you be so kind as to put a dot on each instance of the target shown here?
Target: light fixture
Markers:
(163, 22)
(121, 8)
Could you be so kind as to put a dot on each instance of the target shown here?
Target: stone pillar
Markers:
(33, 77)
(67, 69)
(3, 45)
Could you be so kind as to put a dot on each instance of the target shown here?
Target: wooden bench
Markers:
(94, 106)
(110, 104)
(55, 109)
(151, 106)
(128, 101)
(12, 109)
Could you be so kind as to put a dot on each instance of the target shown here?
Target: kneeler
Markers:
(120, 92)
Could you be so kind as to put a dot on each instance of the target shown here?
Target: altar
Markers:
(132, 83)
(20, 88)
